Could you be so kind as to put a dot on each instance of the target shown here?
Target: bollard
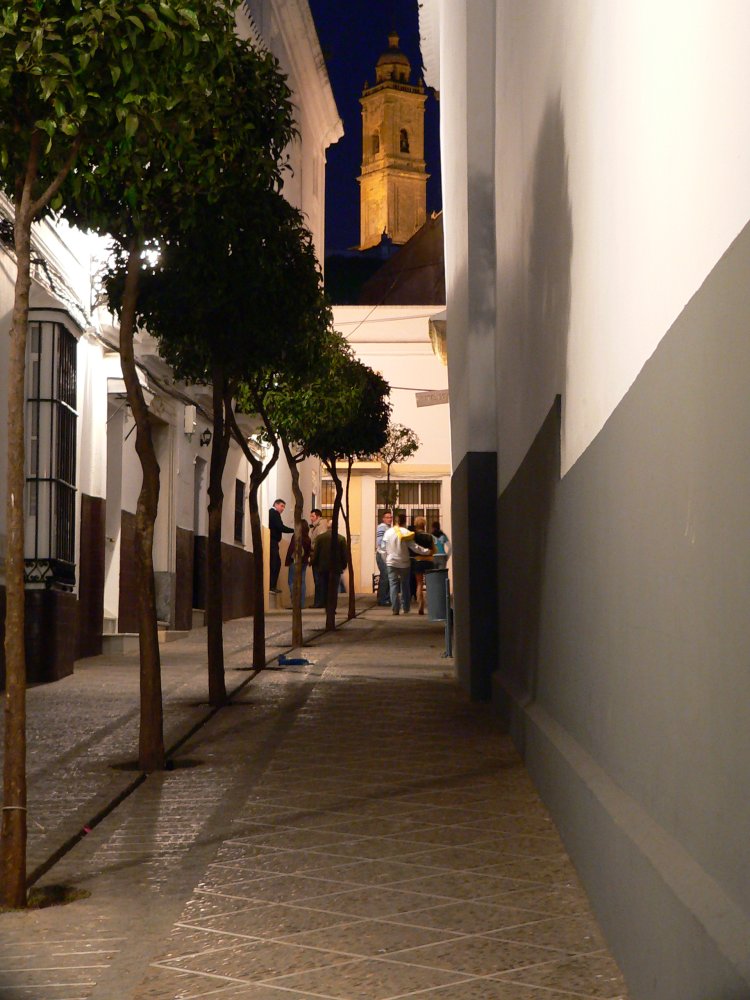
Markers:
(448, 620)
(435, 580)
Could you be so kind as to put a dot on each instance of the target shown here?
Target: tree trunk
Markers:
(259, 608)
(349, 558)
(151, 739)
(297, 634)
(217, 691)
(257, 474)
(335, 567)
(13, 871)
(14, 821)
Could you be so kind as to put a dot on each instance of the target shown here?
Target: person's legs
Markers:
(275, 561)
(419, 592)
(291, 585)
(406, 589)
(394, 583)
(319, 599)
(384, 590)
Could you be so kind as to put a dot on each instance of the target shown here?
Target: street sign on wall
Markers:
(432, 397)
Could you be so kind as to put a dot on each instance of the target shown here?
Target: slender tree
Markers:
(345, 510)
(236, 300)
(401, 443)
(358, 433)
(231, 114)
(76, 78)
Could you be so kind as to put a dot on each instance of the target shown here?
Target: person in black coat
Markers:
(278, 528)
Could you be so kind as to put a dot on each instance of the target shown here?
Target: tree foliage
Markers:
(212, 117)
(106, 97)
(236, 300)
(401, 443)
(240, 291)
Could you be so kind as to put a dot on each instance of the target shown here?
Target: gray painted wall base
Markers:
(624, 644)
(624, 858)
(473, 532)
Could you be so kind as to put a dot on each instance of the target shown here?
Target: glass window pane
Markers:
(239, 510)
(431, 493)
(408, 493)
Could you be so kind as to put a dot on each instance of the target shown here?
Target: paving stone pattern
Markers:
(352, 829)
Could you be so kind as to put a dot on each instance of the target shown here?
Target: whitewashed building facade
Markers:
(83, 473)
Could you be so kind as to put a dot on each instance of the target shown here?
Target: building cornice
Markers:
(429, 41)
(296, 28)
(416, 90)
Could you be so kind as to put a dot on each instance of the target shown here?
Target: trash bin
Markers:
(437, 604)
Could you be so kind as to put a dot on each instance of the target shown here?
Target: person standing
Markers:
(321, 560)
(442, 545)
(278, 528)
(317, 526)
(384, 590)
(421, 563)
(399, 543)
(305, 545)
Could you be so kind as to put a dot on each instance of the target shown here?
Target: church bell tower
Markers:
(393, 181)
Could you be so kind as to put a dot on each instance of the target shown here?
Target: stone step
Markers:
(127, 642)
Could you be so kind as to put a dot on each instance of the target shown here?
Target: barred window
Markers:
(410, 497)
(239, 511)
(51, 455)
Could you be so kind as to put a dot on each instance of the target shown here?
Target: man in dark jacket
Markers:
(321, 561)
(278, 528)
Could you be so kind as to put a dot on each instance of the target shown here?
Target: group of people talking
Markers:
(404, 554)
(315, 542)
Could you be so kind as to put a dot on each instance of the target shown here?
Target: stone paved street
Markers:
(349, 829)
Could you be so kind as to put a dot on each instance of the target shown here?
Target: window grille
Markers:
(412, 498)
(239, 511)
(51, 455)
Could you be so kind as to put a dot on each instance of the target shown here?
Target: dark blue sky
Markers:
(353, 34)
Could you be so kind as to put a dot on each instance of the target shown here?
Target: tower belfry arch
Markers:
(393, 179)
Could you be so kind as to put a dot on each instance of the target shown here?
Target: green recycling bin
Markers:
(436, 581)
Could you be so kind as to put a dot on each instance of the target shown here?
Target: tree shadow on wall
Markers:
(525, 507)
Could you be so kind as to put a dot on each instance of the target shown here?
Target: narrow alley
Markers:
(347, 828)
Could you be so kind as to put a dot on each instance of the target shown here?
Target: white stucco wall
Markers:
(92, 421)
(286, 27)
(646, 101)
(620, 163)
(465, 50)
(395, 341)
(7, 279)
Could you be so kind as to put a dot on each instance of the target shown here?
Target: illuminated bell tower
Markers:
(393, 181)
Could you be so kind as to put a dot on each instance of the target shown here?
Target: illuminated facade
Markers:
(393, 181)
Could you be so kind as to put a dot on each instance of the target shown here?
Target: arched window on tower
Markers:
(404, 143)
(375, 142)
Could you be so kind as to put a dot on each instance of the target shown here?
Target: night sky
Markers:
(353, 34)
